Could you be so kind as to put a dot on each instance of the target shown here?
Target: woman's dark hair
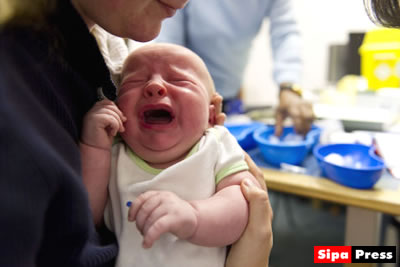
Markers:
(25, 12)
(384, 12)
(36, 17)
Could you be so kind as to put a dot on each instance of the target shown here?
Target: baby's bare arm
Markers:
(100, 125)
(223, 217)
(216, 221)
(254, 246)
(95, 171)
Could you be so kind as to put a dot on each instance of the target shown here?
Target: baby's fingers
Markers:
(158, 212)
(148, 213)
(113, 124)
(108, 107)
(112, 106)
(219, 115)
(137, 204)
(220, 119)
(116, 122)
(160, 226)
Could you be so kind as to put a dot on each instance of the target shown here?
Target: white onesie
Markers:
(214, 157)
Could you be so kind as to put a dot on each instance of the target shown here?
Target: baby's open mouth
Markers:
(158, 116)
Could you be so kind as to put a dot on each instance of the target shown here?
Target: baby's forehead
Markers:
(168, 54)
(166, 57)
(169, 57)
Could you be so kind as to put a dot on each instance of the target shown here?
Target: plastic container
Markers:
(315, 134)
(276, 153)
(243, 133)
(380, 58)
(352, 165)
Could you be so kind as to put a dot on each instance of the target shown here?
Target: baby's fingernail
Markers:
(129, 203)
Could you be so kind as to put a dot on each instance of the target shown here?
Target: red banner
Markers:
(332, 254)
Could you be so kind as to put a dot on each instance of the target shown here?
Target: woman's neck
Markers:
(89, 23)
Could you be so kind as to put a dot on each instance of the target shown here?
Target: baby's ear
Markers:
(211, 115)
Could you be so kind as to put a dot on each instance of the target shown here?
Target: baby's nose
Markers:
(155, 89)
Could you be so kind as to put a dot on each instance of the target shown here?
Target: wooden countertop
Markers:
(386, 201)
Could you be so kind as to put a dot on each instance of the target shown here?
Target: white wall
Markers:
(321, 22)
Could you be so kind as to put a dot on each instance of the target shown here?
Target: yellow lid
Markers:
(381, 39)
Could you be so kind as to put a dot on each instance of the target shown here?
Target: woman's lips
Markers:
(170, 10)
(175, 4)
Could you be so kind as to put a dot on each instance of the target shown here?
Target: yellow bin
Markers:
(380, 58)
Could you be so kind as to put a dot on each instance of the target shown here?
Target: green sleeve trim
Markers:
(194, 149)
(236, 167)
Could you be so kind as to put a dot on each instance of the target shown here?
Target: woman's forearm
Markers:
(254, 246)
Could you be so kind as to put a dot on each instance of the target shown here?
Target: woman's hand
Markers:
(253, 168)
(254, 246)
(219, 115)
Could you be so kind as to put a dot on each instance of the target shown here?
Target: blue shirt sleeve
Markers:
(173, 29)
(285, 42)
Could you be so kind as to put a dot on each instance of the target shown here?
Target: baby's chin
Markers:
(163, 159)
(161, 150)
(158, 150)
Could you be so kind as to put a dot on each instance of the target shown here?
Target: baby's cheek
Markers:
(122, 103)
(130, 130)
(196, 128)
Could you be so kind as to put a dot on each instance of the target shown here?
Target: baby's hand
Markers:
(101, 124)
(158, 212)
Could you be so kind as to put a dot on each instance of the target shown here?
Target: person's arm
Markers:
(42, 199)
(254, 246)
(285, 42)
(26, 189)
(232, 210)
(100, 126)
(216, 221)
(223, 217)
(286, 49)
(95, 171)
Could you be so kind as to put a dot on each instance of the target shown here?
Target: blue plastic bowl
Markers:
(282, 152)
(243, 133)
(352, 165)
(315, 134)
